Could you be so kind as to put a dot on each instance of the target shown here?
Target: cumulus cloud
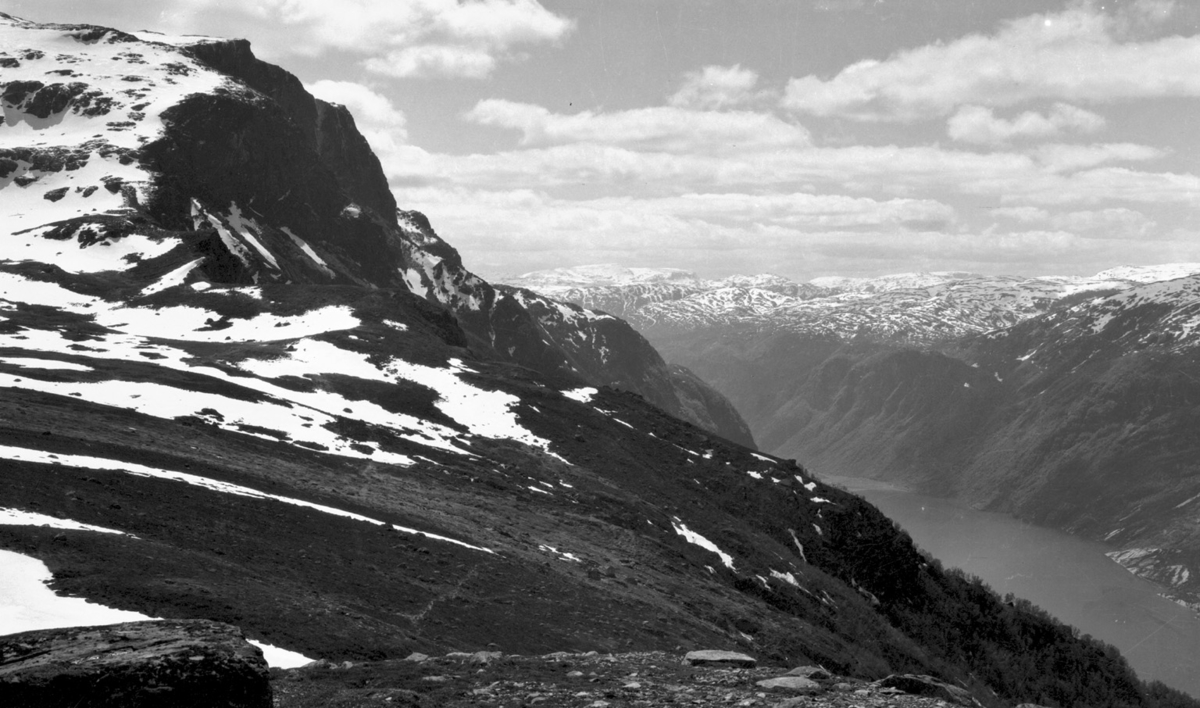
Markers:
(717, 87)
(399, 38)
(1053, 174)
(1060, 158)
(429, 60)
(1076, 55)
(1107, 223)
(977, 124)
(660, 128)
(1026, 213)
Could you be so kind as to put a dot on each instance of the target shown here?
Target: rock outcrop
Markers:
(161, 663)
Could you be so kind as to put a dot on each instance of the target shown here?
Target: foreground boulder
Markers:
(796, 684)
(718, 658)
(167, 663)
(921, 685)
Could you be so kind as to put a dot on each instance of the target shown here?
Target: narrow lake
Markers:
(1069, 577)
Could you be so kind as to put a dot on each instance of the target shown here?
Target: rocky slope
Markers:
(238, 386)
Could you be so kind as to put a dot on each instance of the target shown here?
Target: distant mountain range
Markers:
(1069, 401)
(915, 308)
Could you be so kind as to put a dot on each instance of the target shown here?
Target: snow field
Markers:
(300, 415)
(180, 322)
(28, 208)
(484, 413)
(123, 71)
(296, 425)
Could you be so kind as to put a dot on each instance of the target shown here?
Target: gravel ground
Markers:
(589, 680)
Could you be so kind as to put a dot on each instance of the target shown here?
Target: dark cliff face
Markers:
(300, 162)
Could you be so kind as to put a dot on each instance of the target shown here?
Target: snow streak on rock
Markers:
(98, 463)
(17, 517)
(694, 538)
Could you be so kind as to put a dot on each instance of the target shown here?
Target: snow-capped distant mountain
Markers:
(909, 307)
(1163, 316)
(600, 274)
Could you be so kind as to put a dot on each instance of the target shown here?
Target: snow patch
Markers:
(170, 280)
(17, 517)
(561, 554)
(786, 577)
(583, 395)
(694, 538)
(30, 363)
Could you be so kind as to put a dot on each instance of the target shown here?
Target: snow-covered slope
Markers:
(1164, 316)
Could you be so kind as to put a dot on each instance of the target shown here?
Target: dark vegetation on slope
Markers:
(1091, 434)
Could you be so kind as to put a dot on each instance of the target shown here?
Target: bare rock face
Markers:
(159, 663)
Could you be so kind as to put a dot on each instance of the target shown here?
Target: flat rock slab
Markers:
(816, 673)
(716, 657)
(794, 684)
(921, 685)
(154, 664)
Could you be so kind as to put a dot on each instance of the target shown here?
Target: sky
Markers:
(803, 138)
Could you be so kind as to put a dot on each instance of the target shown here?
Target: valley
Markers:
(1069, 402)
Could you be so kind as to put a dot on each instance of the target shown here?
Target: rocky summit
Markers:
(240, 385)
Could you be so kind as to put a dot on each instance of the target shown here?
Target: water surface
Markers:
(1068, 577)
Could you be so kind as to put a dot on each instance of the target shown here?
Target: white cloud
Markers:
(461, 38)
(1046, 176)
(1062, 158)
(507, 232)
(1026, 213)
(976, 124)
(662, 128)
(716, 87)
(1071, 56)
(1107, 223)
(429, 60)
